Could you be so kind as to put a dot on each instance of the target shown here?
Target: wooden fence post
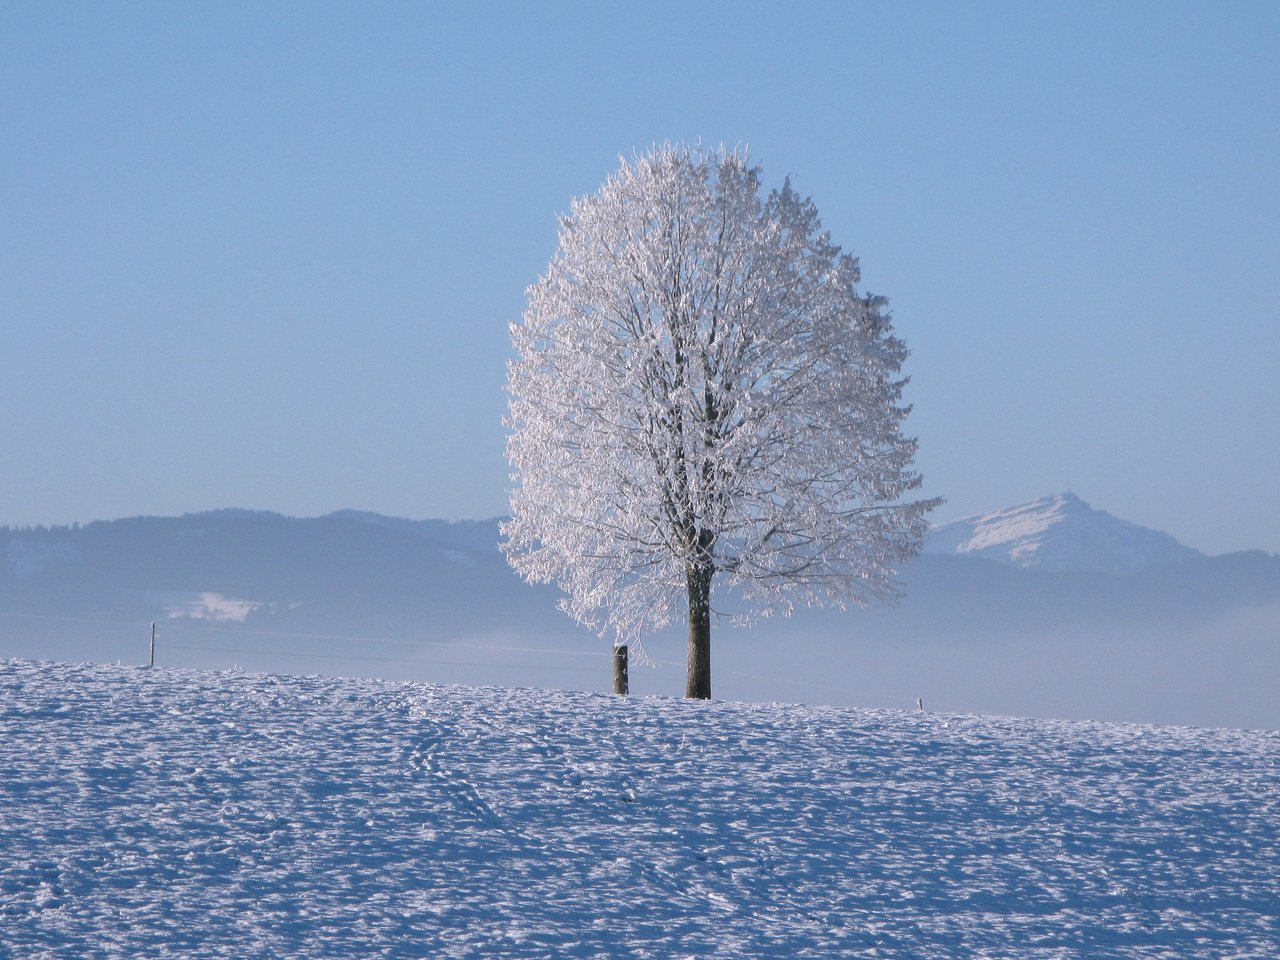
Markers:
(621, 685)
(153, 645)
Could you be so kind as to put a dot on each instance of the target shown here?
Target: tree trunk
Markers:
(698, 683)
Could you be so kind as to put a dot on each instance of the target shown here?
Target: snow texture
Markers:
(172, 813)
(1060, 534)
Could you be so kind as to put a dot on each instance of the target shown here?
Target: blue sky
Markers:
(264, 255)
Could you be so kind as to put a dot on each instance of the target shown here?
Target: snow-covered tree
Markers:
(700, 394)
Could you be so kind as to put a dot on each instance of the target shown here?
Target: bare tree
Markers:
(700, 394)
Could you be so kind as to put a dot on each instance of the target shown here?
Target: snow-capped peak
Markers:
(1059, 533)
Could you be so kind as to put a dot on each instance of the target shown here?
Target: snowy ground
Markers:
(174, 813)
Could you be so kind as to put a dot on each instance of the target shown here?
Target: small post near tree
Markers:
(702, 396)
(621, 679)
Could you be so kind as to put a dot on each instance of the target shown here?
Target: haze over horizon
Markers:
(1057, 611)
(267, 256)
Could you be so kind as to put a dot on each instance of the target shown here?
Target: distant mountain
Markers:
(345, 573)
(1059, 534)
(1051, 609)
(477, 535)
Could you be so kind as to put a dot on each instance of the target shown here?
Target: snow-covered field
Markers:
(174, 813)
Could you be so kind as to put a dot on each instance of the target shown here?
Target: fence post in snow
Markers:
(621, 685)
(920, 702)
(153, 645)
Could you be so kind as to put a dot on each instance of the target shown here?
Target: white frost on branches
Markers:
(699, 385)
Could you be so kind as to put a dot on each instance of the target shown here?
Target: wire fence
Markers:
(185, 630)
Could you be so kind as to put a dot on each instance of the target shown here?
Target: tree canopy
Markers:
(701, 394)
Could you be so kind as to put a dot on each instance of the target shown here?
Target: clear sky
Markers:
(265, 255)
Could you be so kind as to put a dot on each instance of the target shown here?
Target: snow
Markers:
(1059, 533)
(204, 605)
(175, 813)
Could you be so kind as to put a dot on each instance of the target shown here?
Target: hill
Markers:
(176, 813)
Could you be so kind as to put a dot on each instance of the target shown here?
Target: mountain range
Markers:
(1060, 534)
(1046, 609)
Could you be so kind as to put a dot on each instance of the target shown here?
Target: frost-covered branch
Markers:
(700, 388)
